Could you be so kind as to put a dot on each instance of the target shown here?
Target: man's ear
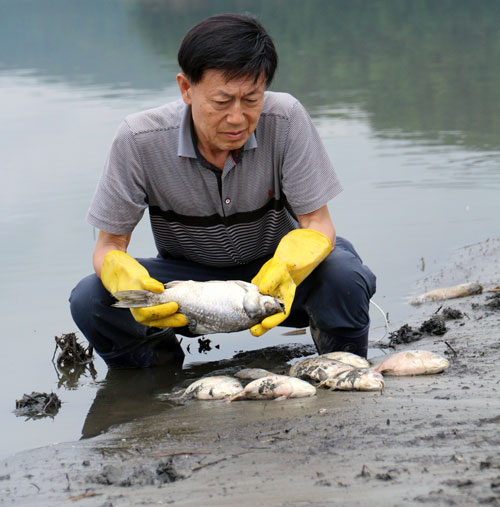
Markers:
(184, 87)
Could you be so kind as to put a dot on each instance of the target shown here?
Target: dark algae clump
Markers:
(405, 334)
(435, 325)
(38, 405)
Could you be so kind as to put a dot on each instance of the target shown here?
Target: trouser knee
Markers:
(337, 294)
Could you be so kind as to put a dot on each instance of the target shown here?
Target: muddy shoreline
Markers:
(431, 440)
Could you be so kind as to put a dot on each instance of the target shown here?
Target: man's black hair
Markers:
(237, 44)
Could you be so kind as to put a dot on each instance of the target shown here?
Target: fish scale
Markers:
(215, 306)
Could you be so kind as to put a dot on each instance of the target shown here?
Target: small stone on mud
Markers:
(384, 477)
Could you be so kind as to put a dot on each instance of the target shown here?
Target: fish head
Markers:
(257, 305)
(271, 305)
(371, 380)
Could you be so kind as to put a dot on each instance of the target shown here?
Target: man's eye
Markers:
(221, 102)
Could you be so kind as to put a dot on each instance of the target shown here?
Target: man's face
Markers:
(225, 113)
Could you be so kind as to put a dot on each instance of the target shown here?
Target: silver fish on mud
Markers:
(252, 373)
(211, 307)
(347, 358)
(413, 362)
(218, 387)
(318, 368)
(278, 387)
(357, 379)
(457, 291)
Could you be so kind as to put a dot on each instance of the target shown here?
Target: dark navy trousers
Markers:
(334, 298)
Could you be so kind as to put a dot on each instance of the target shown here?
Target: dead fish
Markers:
(457, 291)
(211, 307)
(252, 373)
(357, 379)
(413, 362)
(347, 358)
(218, 387)
(295, 332)
(318, 368)
(276, 387)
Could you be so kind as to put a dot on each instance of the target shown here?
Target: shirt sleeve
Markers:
(309, 179)
(120, 199)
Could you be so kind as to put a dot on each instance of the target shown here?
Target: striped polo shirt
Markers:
(203, 214)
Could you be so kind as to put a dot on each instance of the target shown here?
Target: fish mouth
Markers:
(281, 304)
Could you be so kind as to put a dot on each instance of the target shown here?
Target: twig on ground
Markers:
(203, 465)
(454, 352)
(179, 453)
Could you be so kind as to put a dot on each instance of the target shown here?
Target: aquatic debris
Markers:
(215, 306)
(413, 362)
(347, 358)
(356, 379)
(449, 313)
(493, 302)
(217, 387)
(37, 405)
(405, 334)
(252, 373)
(435, 325)
(457, 291)
(73, 361)
(276, 387)
(318, 368)
(72, 353)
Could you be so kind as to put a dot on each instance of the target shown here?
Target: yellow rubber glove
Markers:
(297, 254)
(120, 271)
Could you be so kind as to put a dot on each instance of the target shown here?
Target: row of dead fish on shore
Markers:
(336, 370)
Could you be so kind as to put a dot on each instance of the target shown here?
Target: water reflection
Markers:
(422, 67)
(126, 395)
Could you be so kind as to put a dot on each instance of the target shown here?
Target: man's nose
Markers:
(235, 115)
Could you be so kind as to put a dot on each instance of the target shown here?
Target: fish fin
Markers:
(132, 298)
(236, 397)
(173, 283)
(192, 325)
(243, 285)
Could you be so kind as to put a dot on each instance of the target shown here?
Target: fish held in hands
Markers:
(356, 379)
(347, 358)
(413, 362)
(457, 291)
(276, 387)
(318, 368)
(218, 387)
(211, 307)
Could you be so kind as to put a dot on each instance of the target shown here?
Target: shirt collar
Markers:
(186, 147)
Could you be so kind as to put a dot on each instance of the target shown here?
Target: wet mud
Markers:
(425, 440)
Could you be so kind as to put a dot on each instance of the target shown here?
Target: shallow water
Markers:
(405, 96)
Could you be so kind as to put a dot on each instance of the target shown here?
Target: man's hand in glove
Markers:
(296, 256)
(120, 271)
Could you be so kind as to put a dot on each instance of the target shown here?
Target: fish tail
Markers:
(236, 397)
(134, 298)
